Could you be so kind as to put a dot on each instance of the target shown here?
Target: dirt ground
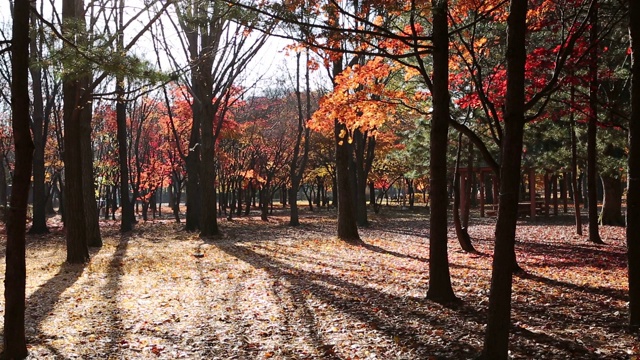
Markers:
(264, 290)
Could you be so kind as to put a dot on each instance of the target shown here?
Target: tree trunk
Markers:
(361, 141)
(440, 289)
(127, 217)
(209, 219)
(496, 341)
(468, 188)
(75, 217)
(347, 226)
(611, 213)
(411, 193)
(39, 224)
(239, 198)
(294, 219)
(193, 183)
(592, 173)
(62, 195)
(3, 191)
(633, 185)
(574, 170)
(90, 206)
(299, 162)
(15, 346)
(107, 202)
(264, 204)
(372, 193)
(461, 232)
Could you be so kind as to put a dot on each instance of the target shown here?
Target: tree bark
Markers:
(461, 231)
(3, 190)
(90, 207)
(440, 289)
(364, 146)
(633, 185)
(15, 346)
(574, 170)
(347, 226)
(298, 161)
(39, 224)
(592, 173)
(611, 213)
(466, 212)
(127, 217)
(208, 220)
(496, 341)
(75, 217)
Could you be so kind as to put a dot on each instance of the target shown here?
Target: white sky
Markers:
(263, 71)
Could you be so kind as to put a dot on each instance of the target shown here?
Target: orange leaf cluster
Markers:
(360, 99)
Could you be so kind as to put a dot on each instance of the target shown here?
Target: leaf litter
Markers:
(263, 290)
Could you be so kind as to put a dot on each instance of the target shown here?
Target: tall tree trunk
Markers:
(127, 218)
(39, 224)
(496, 341)
(72, 88)
(461, 231)
(192, 218)
(347, 226)
(592, 173)
(440, 289)
(574, 169)
(3, 190)
(209, 219)
(364, 153)
(469, 187)
(90, 206)
(15, 346)
(633, 185)
(299, 162)
(611, 213)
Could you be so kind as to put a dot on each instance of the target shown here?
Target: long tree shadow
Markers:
(377, 309)
(574, 255)
(381, 311)
(381, 250)
(603, 291)
(110, 292)
(384, 251)
(42, 302)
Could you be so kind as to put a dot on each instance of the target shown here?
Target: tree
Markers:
(574, 171)
(176, 130)
(39, 126)
(15, 346)
(302, 139)
(633, 185)
(75, 104)
(80, 60)
(592, 173)
(496, 341)
(219, 43)
(461, 231)
(127, 217)
(440, 289)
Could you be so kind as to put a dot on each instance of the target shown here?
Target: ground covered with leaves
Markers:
(264, 290)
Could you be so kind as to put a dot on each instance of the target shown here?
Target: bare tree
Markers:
(218, 41)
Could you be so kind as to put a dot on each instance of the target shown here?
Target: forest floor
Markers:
(264, 290)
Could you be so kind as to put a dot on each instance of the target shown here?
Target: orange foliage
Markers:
(360, 99)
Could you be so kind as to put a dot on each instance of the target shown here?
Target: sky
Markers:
(262, 72)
